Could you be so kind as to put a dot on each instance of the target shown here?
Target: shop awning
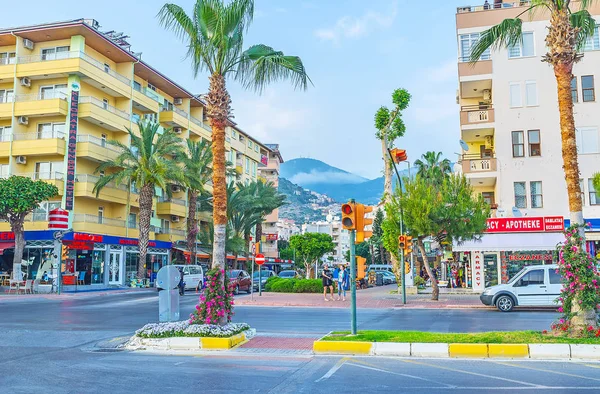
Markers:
(199, 253)
(512, 242)
(6, 245)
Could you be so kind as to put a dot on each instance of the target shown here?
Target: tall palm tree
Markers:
(432, 167)
(197, 173)
(262, 199)
(214, 34)
(567, 34)
(147, 163)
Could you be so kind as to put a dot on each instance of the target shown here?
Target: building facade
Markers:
(340, 237)
(511, 139)
(268, 171)
(65, 90)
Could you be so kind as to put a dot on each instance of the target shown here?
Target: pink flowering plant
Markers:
(216, 304)
(579, 297)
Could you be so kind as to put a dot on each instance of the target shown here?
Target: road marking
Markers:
(474, 373)
(373, 368)
(547, 370)
(333, 369)
(589, 365)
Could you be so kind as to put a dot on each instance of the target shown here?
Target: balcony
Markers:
(171, 206)
(169, 234)
(468, 71)
(84, 187)
(200, 128)
(492, 6)
(39, 143)
(7, 68)
(41, 104)
(96, 149)
(145, 100)
(94, 71)
(174, 117)
(98, 112)
(481, 171)
(98, 225)
(54, 178)
(6, 107)
(476, 116)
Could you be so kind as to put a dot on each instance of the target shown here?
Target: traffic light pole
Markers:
(353, 278)
(402, 269)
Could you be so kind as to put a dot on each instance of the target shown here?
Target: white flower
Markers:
(185, 329)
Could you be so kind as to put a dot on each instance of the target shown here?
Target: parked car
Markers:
(288, 274)
(536, 285)
(388, 277)
(240, 280)
(381, 267)
(264, 275)
(192, 275)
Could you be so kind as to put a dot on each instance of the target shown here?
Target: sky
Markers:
(356, 53)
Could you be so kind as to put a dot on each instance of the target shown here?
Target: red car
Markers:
(240, 280)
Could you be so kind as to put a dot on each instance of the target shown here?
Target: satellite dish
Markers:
(464, 145)
(516, 212)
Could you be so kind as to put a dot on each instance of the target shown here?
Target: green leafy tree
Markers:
(19, 196)
(391, 231)
(148, 163)
(286, 253)
(214, 34)
(311, 247)
(432, 167)
(449, 211)
(378, 251)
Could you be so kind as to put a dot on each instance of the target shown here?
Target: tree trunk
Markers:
(146, 196)
(259, 234)
(387, 171)
(218, 108)
(435, 294)
(192, 224)
(17, 228)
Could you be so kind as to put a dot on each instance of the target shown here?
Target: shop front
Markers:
(508, 245)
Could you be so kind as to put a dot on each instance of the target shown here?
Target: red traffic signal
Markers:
(399, 155)
(348, 216)
(402, 241)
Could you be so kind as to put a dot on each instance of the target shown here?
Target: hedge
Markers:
(292, 285)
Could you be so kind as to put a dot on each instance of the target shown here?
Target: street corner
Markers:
(341, 347)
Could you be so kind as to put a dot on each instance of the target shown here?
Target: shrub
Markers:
(283, 285)
(270, 282)
(216, 304)
(308, 286)
(419, 282)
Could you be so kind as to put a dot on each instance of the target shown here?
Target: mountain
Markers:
(302, 205)
(336, 183)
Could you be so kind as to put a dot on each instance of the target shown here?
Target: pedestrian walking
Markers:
(342, 280)
(327, 282)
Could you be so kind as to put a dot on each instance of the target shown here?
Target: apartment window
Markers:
(581, 184)
(587, 140)
(137, 86)
(8, 58)
(536, 194)
(53, 91)
(574, 90)
(101, 173)
(40, 214)
(5, 133)
(152, 117)
(106, 67)
(100, 215)
(50, 130)
(7, 96)
(166, 225)
(55, 53)
(48, 170)
(531, 98)
(4, 171)
(525, 48)
(592, 43)
(533, 138)
(103, 140)
(587, 88)
(592, 192)
(488, 197)
(249, 144)
(151, 87)
(105, 103)
(515, 94)
(247, 166)
(233, 134)
(135, 118)
(467, 41)
(132, 220)
(254, 168)
(520, 195)
(255, 148)
(517, 144)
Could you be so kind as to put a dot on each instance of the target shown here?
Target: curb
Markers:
(189, 343)
(459, 350)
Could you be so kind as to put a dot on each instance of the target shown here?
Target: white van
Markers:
(381, 267)
(536, 285)
(192, 275)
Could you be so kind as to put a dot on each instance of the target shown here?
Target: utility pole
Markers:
(399, 155)
(353, 277)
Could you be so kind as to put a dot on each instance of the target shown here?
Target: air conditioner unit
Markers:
(175, 219)
(175, 188)
(25, 81)
(21, 159)
(489, 141)
(23, 120)
(177, 130)
(158, 230)
(178, 101)
(28, 43)
(487, 94)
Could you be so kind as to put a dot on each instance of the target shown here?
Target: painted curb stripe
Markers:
(468, 350)
(339, 347)
(508, 350)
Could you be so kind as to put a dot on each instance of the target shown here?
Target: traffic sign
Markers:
(260, 259)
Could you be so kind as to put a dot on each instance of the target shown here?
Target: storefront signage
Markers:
(71, 148)
(478, 277)
(271, 237)
(7, 236)
(134, 242)
(526, 225)
(530, 257)
(79, 245)
(88, 237)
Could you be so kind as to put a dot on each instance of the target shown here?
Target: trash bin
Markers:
(167, 281)
(379, 279)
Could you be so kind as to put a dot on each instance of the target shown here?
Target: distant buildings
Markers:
(333, 227)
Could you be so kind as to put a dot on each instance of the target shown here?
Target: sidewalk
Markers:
(70, 295)
(376, 297)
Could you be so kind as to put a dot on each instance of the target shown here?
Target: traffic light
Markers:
(349, 216)
(361, 267)
(406, 268)
(361, 222)
(402, 242)
(409, 245)
(65, 253)
(399, 155)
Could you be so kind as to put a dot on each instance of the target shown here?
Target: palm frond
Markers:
(173, 17)
(586, 24)
(507, 33)
(586, 4)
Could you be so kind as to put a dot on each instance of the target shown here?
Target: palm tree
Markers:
(214, 34)
(262, 199)
(148, 164)
(197, 173)
(431, 168)
(567, 34)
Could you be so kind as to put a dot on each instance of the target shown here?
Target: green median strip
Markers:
(435, 337)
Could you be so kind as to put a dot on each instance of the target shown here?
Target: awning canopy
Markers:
(512, 242)
(6, 245)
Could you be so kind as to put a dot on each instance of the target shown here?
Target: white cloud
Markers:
(355, 27)
(328, 177)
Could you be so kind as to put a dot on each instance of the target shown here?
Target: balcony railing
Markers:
(97, 141)
(93, 219)
(151, 93)
(172, 200)
(479, 165)
(39, 135)
(105, 106)
(72, 55)
(492, 6)
(7, 99)
(200, 123)
(44, 175)
(176, 110)
(41, 96)
(171, 231)
(94, 179)
(7, 60)
(476, 114)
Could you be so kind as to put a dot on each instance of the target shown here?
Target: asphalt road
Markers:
(53, 346)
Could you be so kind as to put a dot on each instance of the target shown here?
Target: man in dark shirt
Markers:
(327, 282)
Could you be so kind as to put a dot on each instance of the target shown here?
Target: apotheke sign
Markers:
(526, 225)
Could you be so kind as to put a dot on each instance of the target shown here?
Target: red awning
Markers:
(6, 245)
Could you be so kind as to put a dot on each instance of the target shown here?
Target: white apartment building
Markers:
(333, 227)
(286, 228)
(509, 122)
